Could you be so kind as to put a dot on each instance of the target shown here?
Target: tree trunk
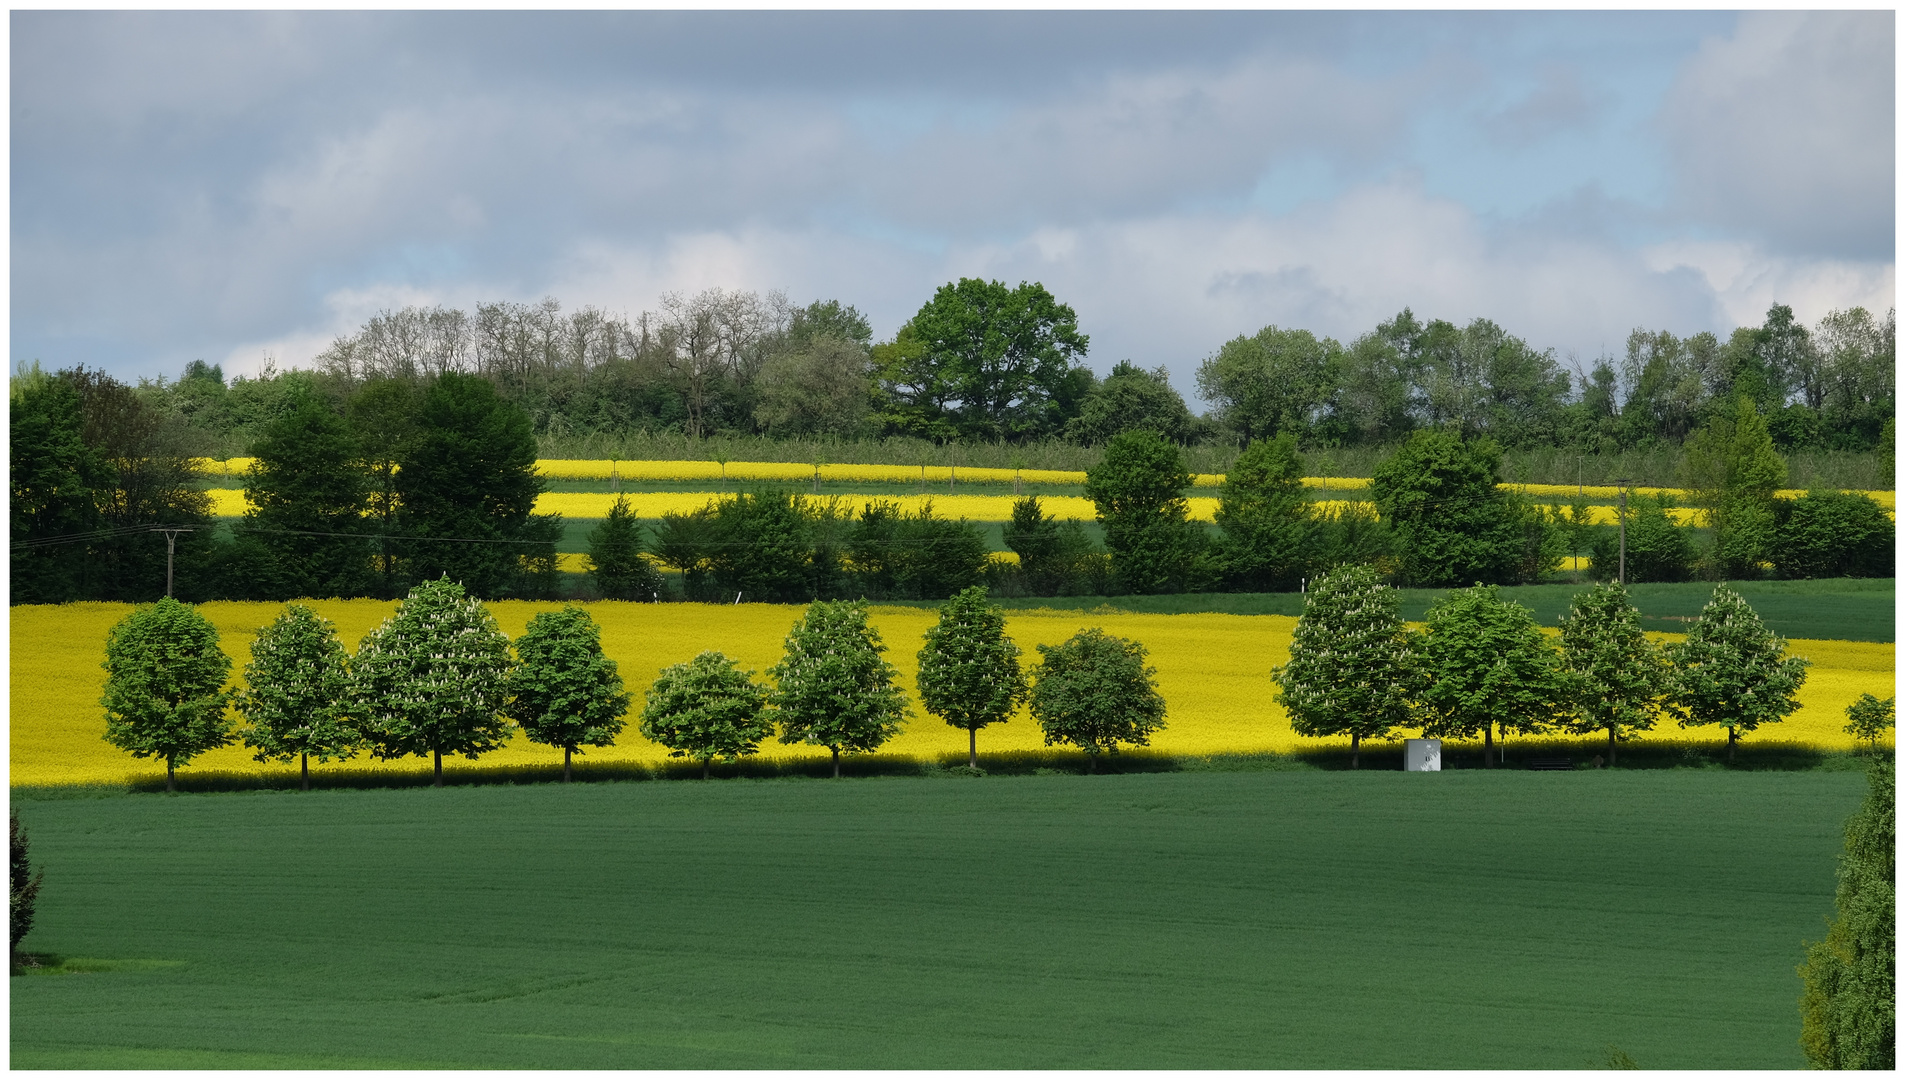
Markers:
(1610, 746)
(439, 779)
(1092, 763)
(304, 772)
(704, 768)
(1488, 746)
(836, 761)
(972, 748)
(565, 762)
(1355, 751)
(1732, 737)
(169, 776)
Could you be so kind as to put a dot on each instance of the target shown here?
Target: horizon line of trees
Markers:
(401, 483)
(982, 361)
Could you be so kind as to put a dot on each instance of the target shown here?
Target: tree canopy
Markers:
(1095, 691)
(969, 672)
(297, 691)
(1732, 671)
(164, 685)
(1351, 669)
(707, 709)
(563, 690)
(832, 688)
(1485, 665)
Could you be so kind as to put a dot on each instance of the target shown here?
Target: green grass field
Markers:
(1162, 920)
(1844, 609)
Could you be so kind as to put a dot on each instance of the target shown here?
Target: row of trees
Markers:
(981, 360)
(1437, 518)
(437, 678)
(1482, 665)
(366, 496)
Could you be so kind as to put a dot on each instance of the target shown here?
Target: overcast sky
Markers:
(229, 186)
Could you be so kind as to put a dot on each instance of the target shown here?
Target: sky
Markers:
(244, 186)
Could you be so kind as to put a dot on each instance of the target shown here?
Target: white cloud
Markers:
(1785, 131)
(1746, 280)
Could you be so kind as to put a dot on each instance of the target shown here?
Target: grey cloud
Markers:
(1785, 131)
(1559, 103)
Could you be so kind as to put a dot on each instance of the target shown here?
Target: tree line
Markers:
(1481, 666)
(399, 483)
(437, 677)
(983, 361)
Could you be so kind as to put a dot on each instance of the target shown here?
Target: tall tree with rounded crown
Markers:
(969, 671)
(296, 694)
(164, 686)
(1733, 672)
(1485, 665)
(832, 688)
(564, 691)
(1618, 679)
(1351, 669)
(433, 678)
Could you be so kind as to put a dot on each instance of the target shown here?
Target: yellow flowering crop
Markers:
(1213, 670)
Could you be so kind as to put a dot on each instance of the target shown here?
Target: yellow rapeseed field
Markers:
(1213, 670)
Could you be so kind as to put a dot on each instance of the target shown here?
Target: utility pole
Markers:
(171, 541)
(1623, 571)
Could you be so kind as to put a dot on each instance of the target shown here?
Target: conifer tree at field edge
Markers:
(1733, 672)
(1849, 1008)
(969, 671)
(164, 696)
(433, 679)
(297, 691)
(1351, 669)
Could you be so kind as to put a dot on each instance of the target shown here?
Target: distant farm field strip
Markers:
(639, 472)
(586, 505)
(1213, 670)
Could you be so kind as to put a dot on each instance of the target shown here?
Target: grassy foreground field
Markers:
(1226, 920)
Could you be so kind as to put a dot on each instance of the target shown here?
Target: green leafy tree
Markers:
(1619, 679)
(1868, 718)
(309, 494)
(1849, 1009)
(433, 679)
(1131, 397)
(1265, 518)
(1094, 691)
(1351, 669)
(468, 476)
(57, 480)
(383, 420)
(995, 362)
(832, 688)
(164, 686)
(760, 546)
(1832, 534)
(1452, 524)
(1732, 671)
(1272, 382)
(707, 708)
(1056, 558)
(297, 692)
(615, 557)
(969, 672)
(1486, 665)
(1139, 488)
(23, 884)
(916, 555)
(1733, 473)
(1658, 548)
(563, 690)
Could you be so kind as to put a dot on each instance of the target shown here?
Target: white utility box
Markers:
(1422, 755)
